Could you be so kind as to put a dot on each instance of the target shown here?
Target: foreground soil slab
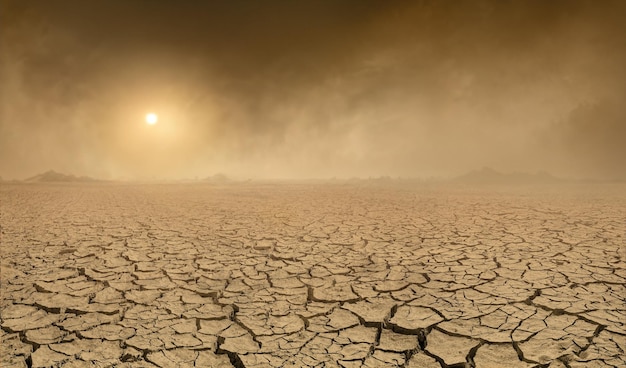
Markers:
(312, 275)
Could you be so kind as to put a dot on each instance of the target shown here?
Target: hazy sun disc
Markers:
(152, 118)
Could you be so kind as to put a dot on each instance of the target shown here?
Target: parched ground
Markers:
(299, 275)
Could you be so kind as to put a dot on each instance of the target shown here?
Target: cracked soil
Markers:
(312, 275)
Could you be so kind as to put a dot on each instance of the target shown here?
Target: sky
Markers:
(312, 89)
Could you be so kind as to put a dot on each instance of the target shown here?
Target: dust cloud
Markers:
(312, 89)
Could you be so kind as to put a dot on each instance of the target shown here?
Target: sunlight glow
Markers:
(152, 118)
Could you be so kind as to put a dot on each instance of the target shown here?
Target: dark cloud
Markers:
(310, 88)
(589, 141)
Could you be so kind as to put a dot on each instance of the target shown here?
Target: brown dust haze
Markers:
(312, 89)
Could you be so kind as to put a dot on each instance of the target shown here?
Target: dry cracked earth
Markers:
(312, 275)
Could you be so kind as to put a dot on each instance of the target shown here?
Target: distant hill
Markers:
(217, 179)
(55, 177)
(490, 176)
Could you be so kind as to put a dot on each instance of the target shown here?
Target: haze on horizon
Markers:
(309, 89)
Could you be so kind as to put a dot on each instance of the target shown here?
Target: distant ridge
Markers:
(217, 179)
(488, 175)
(52, 176)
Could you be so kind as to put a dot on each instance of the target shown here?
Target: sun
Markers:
(151, 118)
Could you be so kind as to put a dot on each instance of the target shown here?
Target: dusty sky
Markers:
(303, 89)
